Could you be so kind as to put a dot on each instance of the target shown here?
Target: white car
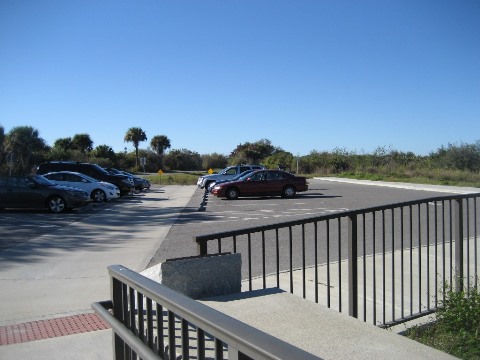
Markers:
(99, 190)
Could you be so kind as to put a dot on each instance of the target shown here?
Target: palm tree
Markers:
(63, 143)
(159, 144)
(82, 142)
(22, 142)
(104, 151)
(135, 135)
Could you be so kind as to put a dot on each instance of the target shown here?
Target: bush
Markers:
(457, 327)
(214, 161)
(183, 159)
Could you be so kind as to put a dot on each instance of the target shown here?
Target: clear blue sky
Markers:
(305, 74)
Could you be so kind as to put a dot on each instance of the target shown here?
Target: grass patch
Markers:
(174, 178)
(456, 329)
(427, 176)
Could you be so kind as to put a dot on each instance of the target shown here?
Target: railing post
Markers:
(117, 299)
(458, 236)
(352, 266)
(202, 247)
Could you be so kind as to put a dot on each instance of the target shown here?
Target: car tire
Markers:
(98, 196)
(56, 204)
(232, 193)
(289, 191)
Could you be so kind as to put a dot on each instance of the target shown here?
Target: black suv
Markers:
(123, 182)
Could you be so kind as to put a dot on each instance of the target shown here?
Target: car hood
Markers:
(106, 183)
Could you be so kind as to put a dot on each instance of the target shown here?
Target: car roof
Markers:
(65, 172)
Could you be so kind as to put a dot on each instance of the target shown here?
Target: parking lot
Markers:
(206, 214)
(19, 226)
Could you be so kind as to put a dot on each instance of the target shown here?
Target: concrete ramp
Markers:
(317, 329)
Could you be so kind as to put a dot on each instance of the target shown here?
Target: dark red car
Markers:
(262, 182)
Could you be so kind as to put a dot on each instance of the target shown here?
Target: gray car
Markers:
(225, 174)
(38, 192)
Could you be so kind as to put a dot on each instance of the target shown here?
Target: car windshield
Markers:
(241, 175)
(224, 171)
(42, 180)
(115, 171)
(99, 168)
(246, 176)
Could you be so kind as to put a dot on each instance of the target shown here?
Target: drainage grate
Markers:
(45, 329)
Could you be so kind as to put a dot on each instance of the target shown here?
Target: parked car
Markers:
(262, 182)
(99, 190)
(139, 183)
(227, 173)
(38, 192)
(123, 182)
(235, 178)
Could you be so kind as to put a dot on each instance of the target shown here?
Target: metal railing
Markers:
(385, 264)
(151, 321)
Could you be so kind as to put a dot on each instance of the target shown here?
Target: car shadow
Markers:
(298, 196)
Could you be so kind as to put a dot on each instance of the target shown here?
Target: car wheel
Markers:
(289, 191)
(232, 193)
(98, 196)
(56, 204)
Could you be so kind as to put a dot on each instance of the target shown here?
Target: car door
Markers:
(255, 184)
(24, 192)
(275, 182)
(79, 182)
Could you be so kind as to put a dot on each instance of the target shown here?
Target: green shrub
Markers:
(456, 329)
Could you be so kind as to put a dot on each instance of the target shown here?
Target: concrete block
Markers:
(200, 276)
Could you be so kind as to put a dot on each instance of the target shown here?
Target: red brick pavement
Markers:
(45, 329)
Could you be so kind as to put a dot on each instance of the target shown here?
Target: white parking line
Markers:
(259, 214)
(408, 186)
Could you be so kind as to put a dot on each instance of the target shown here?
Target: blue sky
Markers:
(305, 74)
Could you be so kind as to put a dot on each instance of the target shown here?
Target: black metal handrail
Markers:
(382, 244)
(147, 318)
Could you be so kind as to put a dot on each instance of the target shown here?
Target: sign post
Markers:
(143, 161)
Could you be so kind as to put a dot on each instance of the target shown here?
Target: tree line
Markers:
(22, 149)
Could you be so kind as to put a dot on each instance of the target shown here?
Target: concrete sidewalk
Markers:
(63, 273)
(417, 295)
